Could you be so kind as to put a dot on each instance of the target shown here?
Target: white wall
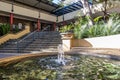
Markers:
(6, 7)
(71, 15)
(105, 42)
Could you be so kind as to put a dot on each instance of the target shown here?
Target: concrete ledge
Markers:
(14, 36)
(14, 59)
(112, 41)
(88, 51)
(106, 51)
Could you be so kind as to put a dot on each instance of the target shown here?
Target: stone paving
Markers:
(113, 53)
(109, 54)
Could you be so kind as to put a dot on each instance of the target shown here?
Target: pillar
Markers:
(38, 25)
(11, 20)
(54, 26)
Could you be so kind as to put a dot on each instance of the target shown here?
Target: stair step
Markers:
(47, 42)
(43, 41)
(38, 48)
(42, 50)
(8, 51)
(41, 45)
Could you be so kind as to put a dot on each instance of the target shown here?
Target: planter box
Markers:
(66, 40)
(67, 35)
(80, 43)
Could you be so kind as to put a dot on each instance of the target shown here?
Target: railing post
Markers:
(33, 36)
(18, 50)
(20, 45)
(38, 35)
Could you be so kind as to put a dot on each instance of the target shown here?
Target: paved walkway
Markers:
(114, 57)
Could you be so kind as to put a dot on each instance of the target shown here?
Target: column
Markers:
(11, 16)
(38, 25)
(54, 26)
(11, 19)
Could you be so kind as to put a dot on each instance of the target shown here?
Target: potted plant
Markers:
(67, 31)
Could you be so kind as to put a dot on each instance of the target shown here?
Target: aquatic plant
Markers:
(94, 69)
(78, 68)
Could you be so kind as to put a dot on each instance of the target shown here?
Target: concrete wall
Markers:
(6, 7)
(71, 15)
(4, 19)
(98, 42)
(80, 43)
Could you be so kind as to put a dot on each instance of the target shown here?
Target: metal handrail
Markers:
(19, 43)
(28, 41)
(26, 36)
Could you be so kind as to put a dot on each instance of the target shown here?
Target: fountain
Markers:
(60, 58)
(62, 67)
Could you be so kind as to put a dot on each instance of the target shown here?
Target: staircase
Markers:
(45, 41)
(8, 47)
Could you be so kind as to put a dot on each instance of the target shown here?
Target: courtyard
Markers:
(59, 40)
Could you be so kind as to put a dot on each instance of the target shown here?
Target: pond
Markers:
(76, 67)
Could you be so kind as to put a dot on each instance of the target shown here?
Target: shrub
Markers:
(66, 28)
(96, 31)
(112, 26)
(100, 28)
(80, 31)
(4, 29)
(80, 28)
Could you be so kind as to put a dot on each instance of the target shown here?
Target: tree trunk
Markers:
(87, 11)
(105, 10)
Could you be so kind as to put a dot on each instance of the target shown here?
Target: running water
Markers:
(60, 59)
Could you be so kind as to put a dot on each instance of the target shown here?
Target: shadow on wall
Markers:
(80, 43)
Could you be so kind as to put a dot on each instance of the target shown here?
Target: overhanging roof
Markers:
(51, 7)
(70, 8)
(44, 5)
